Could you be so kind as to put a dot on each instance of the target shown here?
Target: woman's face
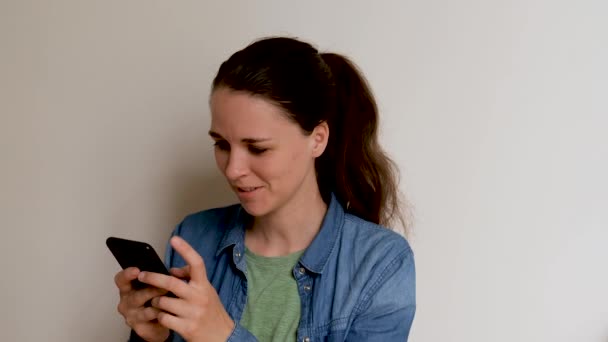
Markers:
(266, 158)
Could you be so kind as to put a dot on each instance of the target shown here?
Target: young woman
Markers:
(305, 255)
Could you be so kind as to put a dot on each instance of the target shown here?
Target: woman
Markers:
(303, 257)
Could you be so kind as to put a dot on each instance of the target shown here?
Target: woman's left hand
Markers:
(197, 314)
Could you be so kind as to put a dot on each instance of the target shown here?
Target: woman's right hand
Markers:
(142, 319)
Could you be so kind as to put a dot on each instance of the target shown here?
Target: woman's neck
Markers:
(290, 228)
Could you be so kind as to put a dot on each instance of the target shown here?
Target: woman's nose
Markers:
(236, 167)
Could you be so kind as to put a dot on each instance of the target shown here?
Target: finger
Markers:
(123, 279)
(169, 283)
(183, 273)
(172, 322)
(147, 314)
(177, 307)
(198, 273)
(140, 297)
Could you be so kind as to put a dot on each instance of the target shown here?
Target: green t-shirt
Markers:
(272, 311)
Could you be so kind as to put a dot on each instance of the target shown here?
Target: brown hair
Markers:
(315, 87)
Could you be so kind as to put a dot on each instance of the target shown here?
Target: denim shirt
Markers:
(356, 280)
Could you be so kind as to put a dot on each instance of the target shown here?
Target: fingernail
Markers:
(141, 275)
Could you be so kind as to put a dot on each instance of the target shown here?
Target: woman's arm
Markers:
(387, 309)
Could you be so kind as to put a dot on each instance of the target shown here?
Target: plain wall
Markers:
(495, 111)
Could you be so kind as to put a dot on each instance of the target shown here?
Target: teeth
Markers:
(248, 189)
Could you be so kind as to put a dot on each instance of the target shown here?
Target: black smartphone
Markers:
(130, 253)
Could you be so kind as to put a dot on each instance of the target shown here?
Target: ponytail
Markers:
(356, 169)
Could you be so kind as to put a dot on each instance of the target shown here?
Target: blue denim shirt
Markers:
(356, 280)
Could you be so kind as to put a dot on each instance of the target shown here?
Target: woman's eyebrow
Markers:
(254, 140)
(216, 135)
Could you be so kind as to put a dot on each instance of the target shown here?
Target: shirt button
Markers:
(306, 287)
(306, 339)
(302, 270)
(238, 255)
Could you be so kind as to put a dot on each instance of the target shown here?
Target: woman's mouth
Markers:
(247, 189)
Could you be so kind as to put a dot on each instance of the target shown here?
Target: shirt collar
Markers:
(315, 257)
(235, 231)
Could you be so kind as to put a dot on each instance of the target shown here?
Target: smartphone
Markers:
(138, 254)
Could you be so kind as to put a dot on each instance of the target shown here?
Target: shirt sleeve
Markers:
(387, 309)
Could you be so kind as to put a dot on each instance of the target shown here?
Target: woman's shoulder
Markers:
(376, 265)
(369, 236)
(372, 249)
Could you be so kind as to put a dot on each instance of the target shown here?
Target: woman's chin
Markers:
(254, 209)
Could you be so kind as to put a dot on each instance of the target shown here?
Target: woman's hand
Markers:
(131, 306)
(197, 314)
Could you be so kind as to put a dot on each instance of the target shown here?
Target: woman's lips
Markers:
(248, 189)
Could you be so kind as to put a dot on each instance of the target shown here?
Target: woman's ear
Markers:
(320, 138)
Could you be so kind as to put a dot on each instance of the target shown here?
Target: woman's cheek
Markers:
(220, 160)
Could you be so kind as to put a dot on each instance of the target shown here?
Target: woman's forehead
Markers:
(240, 114)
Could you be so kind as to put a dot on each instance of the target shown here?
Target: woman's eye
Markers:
(222, 145)
(257, 150)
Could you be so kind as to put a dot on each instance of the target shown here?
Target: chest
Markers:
(326, 304)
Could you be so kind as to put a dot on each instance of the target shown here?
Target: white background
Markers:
(496, 112)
